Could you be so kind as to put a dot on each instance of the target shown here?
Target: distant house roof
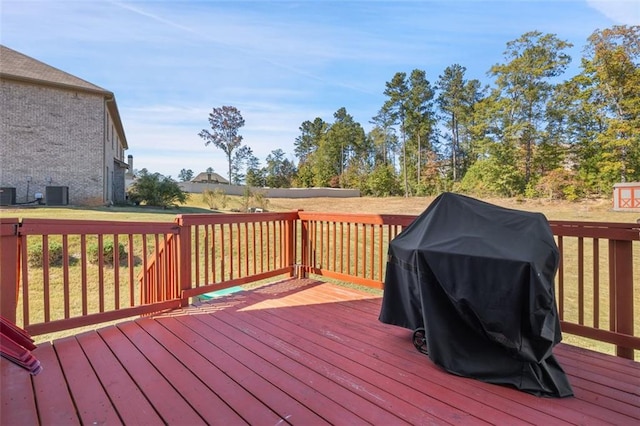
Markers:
(209, 178)
(17, 66)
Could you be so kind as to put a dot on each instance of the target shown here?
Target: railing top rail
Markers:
(583, 224)
(8, 226)
(609, 230)
(92, 227)
(35, 226)
(366, 218)
(222, 218)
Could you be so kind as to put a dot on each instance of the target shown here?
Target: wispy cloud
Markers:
(621, 12)
(262, 41)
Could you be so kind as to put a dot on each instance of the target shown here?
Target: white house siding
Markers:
(56, 137)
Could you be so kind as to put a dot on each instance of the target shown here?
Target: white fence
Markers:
(198, 188)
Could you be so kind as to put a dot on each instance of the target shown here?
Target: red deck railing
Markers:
(167, 263)
(221, 251)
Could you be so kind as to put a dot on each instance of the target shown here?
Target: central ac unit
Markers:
(57, 195)
(7, 196)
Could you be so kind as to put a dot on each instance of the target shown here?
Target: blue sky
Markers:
(279, 62)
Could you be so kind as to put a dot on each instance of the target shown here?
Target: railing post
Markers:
(304, 250)
(184, 258)
(621, 291)
(10, 267)
(289, 247)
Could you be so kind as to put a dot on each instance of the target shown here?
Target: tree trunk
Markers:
(419, 158)
(454, 146)
(404, 162)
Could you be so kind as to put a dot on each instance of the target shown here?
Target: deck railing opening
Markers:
(161, 266)
(221, 251)
(349, 247)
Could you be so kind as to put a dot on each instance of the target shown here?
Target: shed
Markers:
(626, 196)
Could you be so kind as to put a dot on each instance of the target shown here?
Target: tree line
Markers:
(529, 133)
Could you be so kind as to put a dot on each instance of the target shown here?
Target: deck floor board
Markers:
(234, 395)
(166, 400)
(370, 378)
(295, 352)
(424, 391)
(128, 400)
(325, 397)
(17, 401)
(418, 366)
(349, 311)
(55, 405)
(90, 399)
(201, 398)
(237, 366)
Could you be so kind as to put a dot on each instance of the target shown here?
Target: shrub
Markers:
(382, 182)
(253, 199)
(559, 184)
(36, 255)
(491, 177)
(93, 253)
(154, 189)
(247, 196)
(208, 196)
(261, 199)
(215, 198)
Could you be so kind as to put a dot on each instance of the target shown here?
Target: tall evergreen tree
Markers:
(342, 140)
(383, 137)
(305, 145)
(612, 67)
(239, 164)
(456, 100)
(279, 171)
(395, 107)
(255, 175)
(420, 118)
(409, 104)
(523, 87)
(310, 134)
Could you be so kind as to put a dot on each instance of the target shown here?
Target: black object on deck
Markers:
(479, 279)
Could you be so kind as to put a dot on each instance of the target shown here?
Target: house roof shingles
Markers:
(209, 177)
(19, 66)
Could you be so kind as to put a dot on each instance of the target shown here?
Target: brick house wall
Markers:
(53, 137)
(58, 130)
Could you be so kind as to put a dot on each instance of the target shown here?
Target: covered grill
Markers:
(479, 280)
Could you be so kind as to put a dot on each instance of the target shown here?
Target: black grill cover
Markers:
(480, 279)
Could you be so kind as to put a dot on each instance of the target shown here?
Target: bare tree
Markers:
(225, 123)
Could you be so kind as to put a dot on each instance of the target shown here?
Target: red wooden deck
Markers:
(295, 352)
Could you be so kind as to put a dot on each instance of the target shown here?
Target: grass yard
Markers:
(587, 210)
(598, 210)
